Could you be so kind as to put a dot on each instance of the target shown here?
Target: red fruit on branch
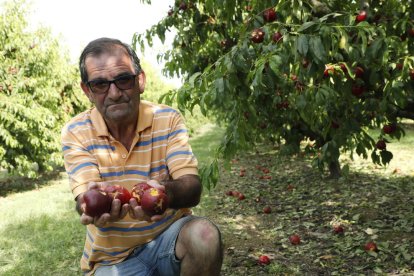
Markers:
(138, 190)
(334, 125)
(154, 202)
(381, 145)
(329, 69)
(118, 192)
(182, 6)
(411, 32)
(362, 16)
(269, 15)
(357, 90)
(97, 202)
(294, 239)
(359, 72)
(257, 35)
(389, 128)
(411, 73)
(371, 246)
(277, 36)
(264, 260)
(399, 66)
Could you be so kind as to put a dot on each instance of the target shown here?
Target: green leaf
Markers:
(386, 157)
(318, 49)
(303, 44)
(306, 26)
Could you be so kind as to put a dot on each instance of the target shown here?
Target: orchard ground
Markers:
(40, 232)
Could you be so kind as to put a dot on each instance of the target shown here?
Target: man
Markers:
(124, 141)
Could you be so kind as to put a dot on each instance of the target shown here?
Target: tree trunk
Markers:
(334, 170)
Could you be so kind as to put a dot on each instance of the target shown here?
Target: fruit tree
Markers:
(294, 71)
(37, 94)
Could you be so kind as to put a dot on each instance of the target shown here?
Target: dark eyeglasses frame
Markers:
(109, 82)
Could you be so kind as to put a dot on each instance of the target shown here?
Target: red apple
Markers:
(411, 32)
(338, 229)
(241, 196)
(357, 90)
(389, 128)
(242, 174)
(381, 145)
(277, 36)
(266, 170)
(294, 239)
(399, 66)
(329, 69)
(411, 73)
(154, 202)
(264, 260)
(257, 35)
(362, 16)
(138, 190)
(269, 15)
(359, 72)
(267, 210)
(97, 202)
(182, 6)
(371, 246)
(118, 192)
(229, 193)
(343, 68)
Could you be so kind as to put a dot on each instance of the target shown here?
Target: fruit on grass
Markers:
(381, 145)
(154, 201)
(294, 239)
(241, 196)
(269, 15)
(338, 229)
(362, 16)
(229, 193)
(277, 36)
(264, 260)
(242, 174)
(97, 202)
(118, 192)
(371, 246)
(138, 190)
(389, 128)
(257, 35)
(267, 210)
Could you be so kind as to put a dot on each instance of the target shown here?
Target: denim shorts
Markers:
(156, 258)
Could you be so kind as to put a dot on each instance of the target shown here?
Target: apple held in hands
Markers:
(118, 192)
(97, 202)
(138, 190)
(154, 202)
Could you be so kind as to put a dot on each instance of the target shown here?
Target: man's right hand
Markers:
(117, 212)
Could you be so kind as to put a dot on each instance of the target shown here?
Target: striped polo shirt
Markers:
(160, 148)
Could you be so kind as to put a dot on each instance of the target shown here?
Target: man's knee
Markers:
(201, 235)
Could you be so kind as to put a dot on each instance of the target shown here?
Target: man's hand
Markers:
(136, 211)
(117, 212)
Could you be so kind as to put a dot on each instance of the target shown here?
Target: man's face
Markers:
(116, 105)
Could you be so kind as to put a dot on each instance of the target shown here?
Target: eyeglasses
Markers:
(102, 86)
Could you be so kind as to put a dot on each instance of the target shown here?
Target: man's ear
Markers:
(85, 90)
(142, 80)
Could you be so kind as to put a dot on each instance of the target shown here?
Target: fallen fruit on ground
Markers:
(118, 192)
(241, 196)
(371, 246)
(294, 239)
(264, 260)
(154, 202)
(267, 210)
(338, 229)
(97, 202)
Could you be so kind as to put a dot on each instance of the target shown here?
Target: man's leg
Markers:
(200, 249)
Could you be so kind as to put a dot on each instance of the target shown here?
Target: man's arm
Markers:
(183, 192)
